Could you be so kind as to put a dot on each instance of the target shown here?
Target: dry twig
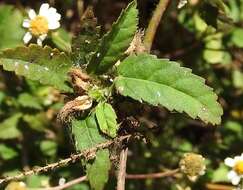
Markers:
(122, 170)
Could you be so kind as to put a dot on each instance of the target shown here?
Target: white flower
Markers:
(236, 174)
(39, 25)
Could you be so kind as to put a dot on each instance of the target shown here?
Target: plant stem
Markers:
(64, 162)
(68, 184)
(152, 175)
(154, 23)
(122, 170)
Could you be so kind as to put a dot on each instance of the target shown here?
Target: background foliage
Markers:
(206, 36)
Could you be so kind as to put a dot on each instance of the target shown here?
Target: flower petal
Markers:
(44, 9)
(32, 14)
(43, 36)
(53, 25)
(26, 23)
(39, 41)
(236, 180)
(27, 37)
(229, 162)
(231, 174)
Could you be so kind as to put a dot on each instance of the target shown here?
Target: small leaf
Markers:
(62, 39)
(6, 152)
(237, 78)
(166, 83)
(35, 181)
(237, 37)
(98, 172)
(106, 117)
(114, 43)
(38, 122)
(220, 174)
(8, 128)
(86, 133)
(11, 30)
(28, 101)
(48, 147)
(45, 65)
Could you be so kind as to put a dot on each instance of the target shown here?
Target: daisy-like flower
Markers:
(39, 25)
(236, 174)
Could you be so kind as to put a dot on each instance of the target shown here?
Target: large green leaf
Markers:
(114, 43)
(8, 128)
(11, 30)
(162, 82)
(106, 117)
(86, 133)
(46, 65)
(98, 172)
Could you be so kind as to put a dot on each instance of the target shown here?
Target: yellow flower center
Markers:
(239, 167)
(39, 26)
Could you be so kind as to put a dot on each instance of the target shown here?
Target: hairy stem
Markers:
(121, 178)
(154, 23)
(64, 162)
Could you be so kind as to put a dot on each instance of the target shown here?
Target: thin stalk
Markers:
(154, 23)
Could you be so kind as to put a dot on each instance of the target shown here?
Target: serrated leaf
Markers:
(11, 30)
(86, 133)
(106, 117)
(8, 128)
(28, 101)
(162, 82)
(98, 172)
(114, 43)
(46, 65)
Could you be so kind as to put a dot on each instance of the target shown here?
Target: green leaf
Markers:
(48, 147)
(46, 65)
(98, 172)
(38, 122)
(28, 101)
(166, 83)
(8, 128)
(84, 45)
(11, 30)
(220, 174)
(62, 39)
(114, 43)
(35, 181)
(6, 152)
(237, 37)
(237, 78)
(106, 117)
(86, 133)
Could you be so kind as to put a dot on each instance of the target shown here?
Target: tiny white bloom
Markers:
(236, 174)
(181, 3)
(39, 25)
